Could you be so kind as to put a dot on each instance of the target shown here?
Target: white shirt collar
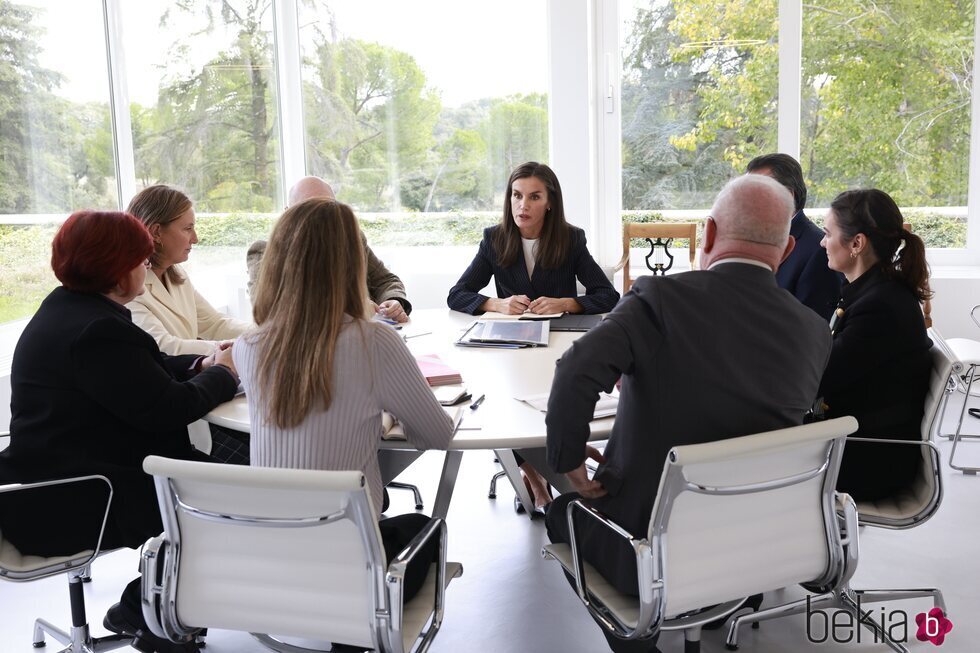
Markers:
(736, 259)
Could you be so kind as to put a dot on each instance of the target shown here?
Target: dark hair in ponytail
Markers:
(874, 213)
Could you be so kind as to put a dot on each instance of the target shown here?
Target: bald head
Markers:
(309, 188)
(751, 219)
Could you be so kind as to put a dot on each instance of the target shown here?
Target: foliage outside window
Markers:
(885, 103)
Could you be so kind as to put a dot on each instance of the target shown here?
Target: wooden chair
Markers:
(666, 230)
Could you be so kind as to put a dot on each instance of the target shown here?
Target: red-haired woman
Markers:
(92, 394)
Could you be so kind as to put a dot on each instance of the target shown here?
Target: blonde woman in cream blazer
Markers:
(180, 319)
(171, 310)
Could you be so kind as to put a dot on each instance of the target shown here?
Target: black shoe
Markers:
(974, 412)
(118, 622)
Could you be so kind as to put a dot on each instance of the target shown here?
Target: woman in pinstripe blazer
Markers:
(534, 256)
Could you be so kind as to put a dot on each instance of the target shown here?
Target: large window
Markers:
(55, 137)
(886, 92)
(698, 97)
(414, 114)
(885, 101)
(202, 87)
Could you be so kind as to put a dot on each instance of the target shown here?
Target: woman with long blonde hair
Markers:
(318, 373)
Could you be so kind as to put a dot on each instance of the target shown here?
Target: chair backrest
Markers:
(286, 551)
(688, 230)
(51, 498)
(748, 515)
(920, 501)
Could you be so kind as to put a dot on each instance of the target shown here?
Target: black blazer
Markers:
(704, 355)
(878, 372)
(91, 393)
(805, 272)
(599, 297)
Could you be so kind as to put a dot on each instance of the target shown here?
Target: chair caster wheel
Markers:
(731, 647)
(492, 495)
(419, 506)
(40, 644)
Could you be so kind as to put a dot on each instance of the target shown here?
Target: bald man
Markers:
(386, 290)
(705, 355)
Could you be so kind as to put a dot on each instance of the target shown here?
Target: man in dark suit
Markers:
(705, 355)
(805, 272)
(385, 290)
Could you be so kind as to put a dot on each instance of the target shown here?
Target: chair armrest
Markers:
(973, 315)
(62, 567)
(150, 587)
(651, 612)
(933, 449)
(395, 579)
(847, 510)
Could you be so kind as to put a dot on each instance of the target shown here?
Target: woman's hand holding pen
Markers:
(513, 305)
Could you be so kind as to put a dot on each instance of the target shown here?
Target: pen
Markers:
(476, 404)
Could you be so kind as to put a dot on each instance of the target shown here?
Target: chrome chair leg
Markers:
(492, 494)
(957, 436)
(865, 621)
(408, 486)
(878, 595)
(78, 639)
(793, 607)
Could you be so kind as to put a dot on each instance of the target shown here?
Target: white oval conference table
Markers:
(501, 423)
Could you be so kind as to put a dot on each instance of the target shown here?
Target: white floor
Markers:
(510, 600)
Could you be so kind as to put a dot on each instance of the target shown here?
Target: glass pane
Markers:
(698, 97)
(203, 92)
(886, 103)
(426, 120)
(55, 137)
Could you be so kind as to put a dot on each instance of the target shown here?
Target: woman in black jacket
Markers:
(92, 394)
(534, 256)
(880, 365)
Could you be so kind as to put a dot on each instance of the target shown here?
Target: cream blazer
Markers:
(180, 320)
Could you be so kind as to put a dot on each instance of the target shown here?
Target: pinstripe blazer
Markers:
(599, 297)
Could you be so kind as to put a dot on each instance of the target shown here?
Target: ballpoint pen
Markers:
(476, 404)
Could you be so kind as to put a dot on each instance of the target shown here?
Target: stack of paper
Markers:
(437, 372)
(605, 407)
(508, 334)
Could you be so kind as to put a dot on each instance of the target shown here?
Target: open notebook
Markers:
(391, 428)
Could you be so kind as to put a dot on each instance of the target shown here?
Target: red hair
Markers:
(93, 250)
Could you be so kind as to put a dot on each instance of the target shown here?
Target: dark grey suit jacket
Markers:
(704, 355)
(383, 284)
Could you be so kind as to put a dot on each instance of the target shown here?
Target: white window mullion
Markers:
(973, 188)
(609, 133)
(790, 74)
(292, 132)
(122, 129)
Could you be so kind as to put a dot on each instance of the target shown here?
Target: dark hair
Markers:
(160, 204)
(555, 234)
(874, 213)
(786, 170)
(94, 250)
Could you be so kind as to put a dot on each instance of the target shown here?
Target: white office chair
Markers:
(965, 354)
(907, 509)
(732, 518)
(291, 552)
(22, 567)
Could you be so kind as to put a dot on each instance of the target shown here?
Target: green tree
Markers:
(369, 116)
(214, 130)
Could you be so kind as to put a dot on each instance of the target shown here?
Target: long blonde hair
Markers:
(312, 275)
